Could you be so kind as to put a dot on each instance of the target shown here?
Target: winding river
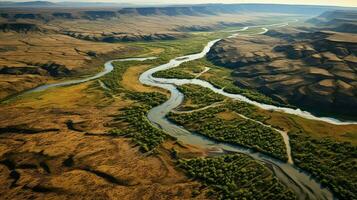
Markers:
(299, 181)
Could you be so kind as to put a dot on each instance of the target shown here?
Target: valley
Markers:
(201, 102)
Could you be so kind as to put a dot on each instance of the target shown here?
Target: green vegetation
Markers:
(198, 97)
(133, 118)
(132, 121)
(246, 109)
(331, 162)
(174, 73)
(184, 71)
(139, 128)
(151, 99)
(112, 80)
(187, 70)
(220, 77)
(237, 131)
(252, 94)
(236, 177)
(179, 47)
(170, 49)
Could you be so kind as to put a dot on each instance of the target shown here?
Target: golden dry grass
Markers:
(133, 175)
(37, 49)
(150, 24)
(227, 115)
(346, 133)
(131, 81)
(63, 97)
(40, 48)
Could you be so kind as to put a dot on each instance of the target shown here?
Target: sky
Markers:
(348, 3)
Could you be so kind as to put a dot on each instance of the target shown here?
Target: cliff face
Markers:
(316, 74)
(126, 37)
(18, 27)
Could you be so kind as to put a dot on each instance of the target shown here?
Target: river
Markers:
(302, 183)
(299, 181)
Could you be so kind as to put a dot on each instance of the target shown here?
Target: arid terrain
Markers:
(44, 45)
(315, 70)
(109, 138)
(63, 152)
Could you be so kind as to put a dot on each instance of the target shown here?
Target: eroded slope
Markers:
(313, 70)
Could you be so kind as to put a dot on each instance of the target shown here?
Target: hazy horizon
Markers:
(347, 3)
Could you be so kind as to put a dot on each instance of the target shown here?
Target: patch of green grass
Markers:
(236, 177)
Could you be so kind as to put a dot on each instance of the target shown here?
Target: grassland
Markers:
(80, 157)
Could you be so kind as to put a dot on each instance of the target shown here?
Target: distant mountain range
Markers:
(111, 10)
(61, 4)
(227, 7)
(337, 20)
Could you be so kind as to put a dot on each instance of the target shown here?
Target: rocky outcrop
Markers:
(22, 70)
(56, 70)
(215, 9)
(101, 14)
(64, 15)
(280, 34)
(19, 27)
(27, 16)
(224, 54)
(170, 11)
(296, 51)
(52, 69)
(347, 27)
(127, 37)
(4, 15)
(194, 28)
